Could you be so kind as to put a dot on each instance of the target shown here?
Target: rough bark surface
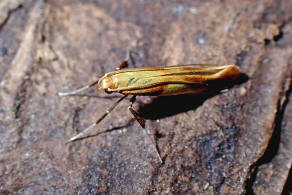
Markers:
(235, 142)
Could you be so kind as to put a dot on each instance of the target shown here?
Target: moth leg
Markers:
(141, 121)
(82, 133)
(75, 92)
(154, 146)
(130, 57)
(125, 62)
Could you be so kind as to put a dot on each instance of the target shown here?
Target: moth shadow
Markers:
(164, 106)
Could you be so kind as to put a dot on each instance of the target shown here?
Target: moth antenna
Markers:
(71, 93)
(79, 135)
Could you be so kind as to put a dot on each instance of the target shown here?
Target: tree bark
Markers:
(234, 142)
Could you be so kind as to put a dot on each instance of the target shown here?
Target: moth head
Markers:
(106, 83)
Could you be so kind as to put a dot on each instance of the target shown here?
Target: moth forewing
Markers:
(165, 81)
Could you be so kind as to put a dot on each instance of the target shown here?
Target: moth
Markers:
(157, 81)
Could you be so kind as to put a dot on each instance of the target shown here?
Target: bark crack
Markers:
(5, 19)
(274, 143)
